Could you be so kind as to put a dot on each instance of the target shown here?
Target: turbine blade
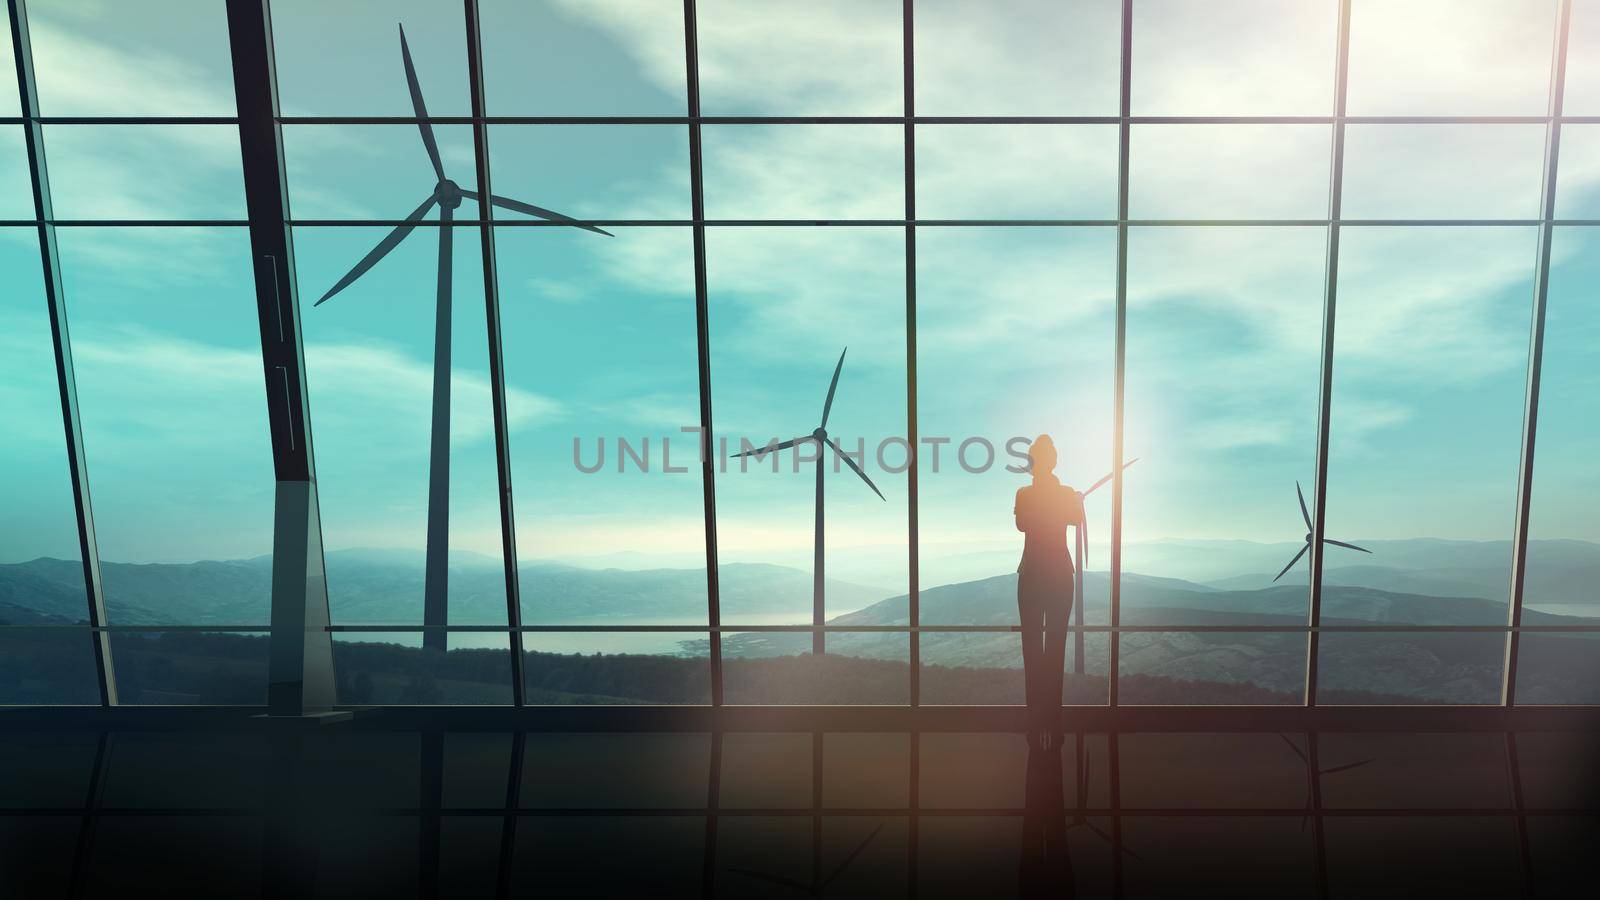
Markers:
(1296, 559)
(390, 241)
(827, 405)
(851, 858)
(1348, 766)
(536, 211)
(421, 109)
(1343, 544)
(1102, 482)
(1304, 513)
(1295, 747)
(771, 448)
(856, 469)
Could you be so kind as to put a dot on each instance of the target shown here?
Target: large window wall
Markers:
(1272, 267)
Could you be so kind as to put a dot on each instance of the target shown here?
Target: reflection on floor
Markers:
(345, 812)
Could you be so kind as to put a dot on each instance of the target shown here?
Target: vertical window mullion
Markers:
(703, 347)
(1330, 296)
(1530, 409)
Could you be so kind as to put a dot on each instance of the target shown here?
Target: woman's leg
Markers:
(1030, 614)
(1058, 613)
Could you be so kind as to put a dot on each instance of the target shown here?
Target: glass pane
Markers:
(370, 370)
(825, 57)
(372, 171)
(1233, 57)
(188, 668)
(1430, 361)
(16, 185)
(804, 172)
(38, 518)
(41, 577)
(1212, 668)
(1229, 172)
(601, 351)
(667, 668)
(1558, 668)
(1015, 336)
(167, 349)
(1450, 57)
(145, 171)
(598, 172)
(973, 669)
(1224, 340)
(1581, 95)
(1563, 525)
(786, 302)
(1578, 174)
(594, 58)
(1016, 172)
(344, 58)
(1017, 58)
(1377, 669)
(779, 668)
(42, 665)
(383, 668)
(126, 59)
(10, 99)
(1443, 171)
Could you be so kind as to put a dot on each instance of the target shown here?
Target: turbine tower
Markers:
(1080, 556)
(447, 195)
(1306, 515)
(820, 436)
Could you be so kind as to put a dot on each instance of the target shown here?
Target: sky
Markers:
(1014, 327)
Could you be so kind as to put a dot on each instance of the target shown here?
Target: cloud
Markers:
(382, 394)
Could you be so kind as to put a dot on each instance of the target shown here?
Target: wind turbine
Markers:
(1081, 557)
(820, 436)
(1079, 819)
(818, 886)
(1313, 775)
(447, 195)
(1306, 515)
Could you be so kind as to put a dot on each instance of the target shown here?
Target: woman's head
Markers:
(1042, 454)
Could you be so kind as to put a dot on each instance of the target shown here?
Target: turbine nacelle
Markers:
(449, 194)
(1305, 514)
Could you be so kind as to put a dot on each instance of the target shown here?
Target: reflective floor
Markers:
(346, 811)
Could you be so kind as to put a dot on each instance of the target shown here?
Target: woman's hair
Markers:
(1042, 454)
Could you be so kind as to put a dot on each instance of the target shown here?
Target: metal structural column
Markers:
(702, 315)
(300, 668)
(1330, 297)
(497, 367)
(1124, 136)
(1530, 408)
(908, 61)
(56, 302)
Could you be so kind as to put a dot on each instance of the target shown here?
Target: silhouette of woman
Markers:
(1044, 510)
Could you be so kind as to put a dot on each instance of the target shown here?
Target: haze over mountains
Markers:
(1416, 582)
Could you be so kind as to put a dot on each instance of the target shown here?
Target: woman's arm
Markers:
(1016, 509)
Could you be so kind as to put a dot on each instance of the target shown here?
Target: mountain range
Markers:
(1420, 582)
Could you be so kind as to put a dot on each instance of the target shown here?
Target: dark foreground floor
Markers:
(347, 812)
